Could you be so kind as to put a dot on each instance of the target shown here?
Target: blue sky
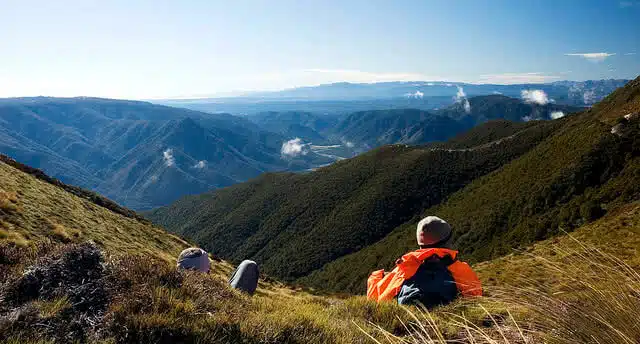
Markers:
(153, 49)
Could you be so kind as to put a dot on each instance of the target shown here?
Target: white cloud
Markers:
(516, 78)
(416, 94)
(467, 106)
(460, 94)
(168, 158)
(349, 144)
(430, 84)
(556, 114)
(534, 96)
(496, 92)
(527, 118)
(461, 97)
(294, 147)
(629, 54)
(593, 57)
(200, 165)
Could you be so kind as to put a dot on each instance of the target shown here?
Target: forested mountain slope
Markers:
(294, 224)
(380, 127)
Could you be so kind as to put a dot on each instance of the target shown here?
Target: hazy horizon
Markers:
(195, 49)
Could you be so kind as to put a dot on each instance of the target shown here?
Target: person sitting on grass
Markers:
(243, 278)
(431, 275)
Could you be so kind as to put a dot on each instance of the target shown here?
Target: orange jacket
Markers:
(385, 288)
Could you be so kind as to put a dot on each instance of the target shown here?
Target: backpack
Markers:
(432, 285)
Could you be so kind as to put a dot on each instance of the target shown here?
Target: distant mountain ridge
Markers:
(344, 97)
(364, 130)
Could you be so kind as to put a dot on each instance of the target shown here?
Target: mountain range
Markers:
(502, 186)
(139, 154)
(144, 155)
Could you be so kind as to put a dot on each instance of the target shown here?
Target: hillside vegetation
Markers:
(60, 288)
(34, 210)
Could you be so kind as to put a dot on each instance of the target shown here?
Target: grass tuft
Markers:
(63, 234)
(8, 201)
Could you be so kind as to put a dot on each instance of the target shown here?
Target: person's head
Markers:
(432, 232)
(194, 259)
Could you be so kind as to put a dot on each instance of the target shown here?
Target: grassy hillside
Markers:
(34, 210)
(293, 224)
(617, 234)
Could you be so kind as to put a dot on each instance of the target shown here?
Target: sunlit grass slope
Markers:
(34, 210)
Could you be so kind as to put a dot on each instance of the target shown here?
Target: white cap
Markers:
(432, 230)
